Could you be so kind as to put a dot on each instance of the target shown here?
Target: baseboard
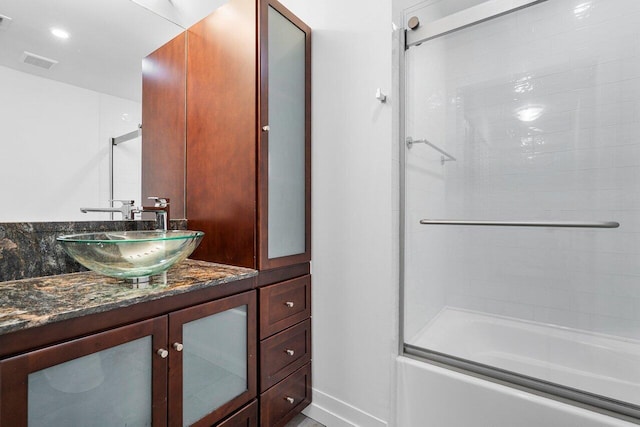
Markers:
(334, 412)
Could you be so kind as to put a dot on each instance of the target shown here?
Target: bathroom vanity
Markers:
(80, 348)
(217, 345)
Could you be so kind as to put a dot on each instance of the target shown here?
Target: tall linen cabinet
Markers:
(248, 177)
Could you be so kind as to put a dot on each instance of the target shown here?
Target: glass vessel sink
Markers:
(132, 255)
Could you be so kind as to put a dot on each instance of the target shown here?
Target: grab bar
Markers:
(562, 224)
(410, 141)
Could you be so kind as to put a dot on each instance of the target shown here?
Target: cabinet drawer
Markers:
(284, 400)
(283, 353)
(284, 304)
(245, 417)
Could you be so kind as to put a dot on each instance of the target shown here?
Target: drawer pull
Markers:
(290, 352)
(162, 353)
(289, 304)
(178, 346)
(291, 400)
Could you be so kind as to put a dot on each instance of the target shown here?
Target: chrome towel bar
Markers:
(449, 158)
(561, 224)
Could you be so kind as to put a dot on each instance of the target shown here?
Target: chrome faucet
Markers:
(160, 208)
(126, 209)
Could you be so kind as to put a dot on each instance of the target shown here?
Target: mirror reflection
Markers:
(70, 79)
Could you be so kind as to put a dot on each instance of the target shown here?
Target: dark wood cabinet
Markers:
(81, 380)
(248, 135)
(285, 349)
(249, 174)
(193, 366)
(248, 169)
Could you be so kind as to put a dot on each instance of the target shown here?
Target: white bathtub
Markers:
(597, 363)
(432, 396)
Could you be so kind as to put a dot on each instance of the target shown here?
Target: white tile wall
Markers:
(580, 160)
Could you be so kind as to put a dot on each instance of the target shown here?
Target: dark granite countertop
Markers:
(28, 303)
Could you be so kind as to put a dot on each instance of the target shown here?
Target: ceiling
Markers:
(108, 38)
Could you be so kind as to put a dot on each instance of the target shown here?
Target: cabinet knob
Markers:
(266, 128)
(289, 304)
(291, 400)
(290, 352)
(162, 353)
(178, 346)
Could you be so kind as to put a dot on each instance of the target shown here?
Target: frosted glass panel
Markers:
(108, 388)
(286, 137)
(214, 362)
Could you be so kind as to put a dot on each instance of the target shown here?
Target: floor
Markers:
(302, 421)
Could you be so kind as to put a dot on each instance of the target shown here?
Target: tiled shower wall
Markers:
(541, 109)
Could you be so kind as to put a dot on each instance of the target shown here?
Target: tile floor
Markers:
(302, 421)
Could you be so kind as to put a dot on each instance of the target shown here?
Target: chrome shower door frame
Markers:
(402, 41)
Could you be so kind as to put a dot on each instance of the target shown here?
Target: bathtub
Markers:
(429, 395)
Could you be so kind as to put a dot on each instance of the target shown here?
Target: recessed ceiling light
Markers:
(60, 33)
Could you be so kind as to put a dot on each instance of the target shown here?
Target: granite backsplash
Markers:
(30, 249)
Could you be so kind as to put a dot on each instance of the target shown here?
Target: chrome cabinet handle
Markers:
(178, 346)
(162, 353)
(290, 352)
(291, 400)
(289, 304)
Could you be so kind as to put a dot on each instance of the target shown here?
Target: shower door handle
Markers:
(557, 224)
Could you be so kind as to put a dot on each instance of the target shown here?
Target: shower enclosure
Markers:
(520, 194)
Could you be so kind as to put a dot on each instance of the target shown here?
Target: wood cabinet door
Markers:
(113, 378)
(284, 141)
(212, 365)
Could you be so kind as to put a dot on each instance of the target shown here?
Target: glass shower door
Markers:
(521, 206)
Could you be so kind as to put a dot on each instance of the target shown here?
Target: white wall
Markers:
(354, 281)
(55, 146)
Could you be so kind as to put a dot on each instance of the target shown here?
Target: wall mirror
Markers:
(71, 79)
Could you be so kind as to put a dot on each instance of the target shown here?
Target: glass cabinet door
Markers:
(286, 135)
(108, 379)
(213, 361)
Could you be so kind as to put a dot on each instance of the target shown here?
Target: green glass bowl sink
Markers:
(132, 255)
